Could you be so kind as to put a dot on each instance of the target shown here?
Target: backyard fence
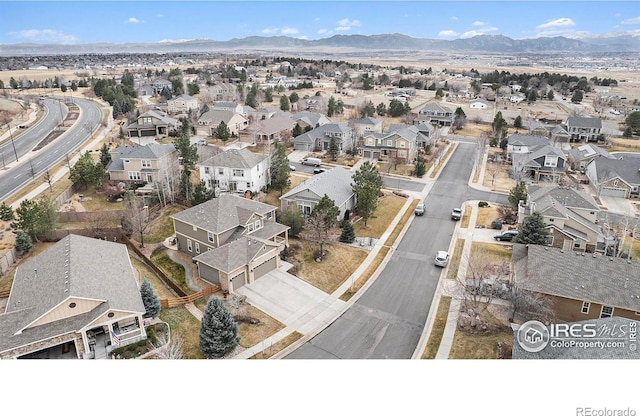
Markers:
(7, 261)
(168, 303)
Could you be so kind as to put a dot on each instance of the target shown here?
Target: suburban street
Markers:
(388, 320)
(36, 163)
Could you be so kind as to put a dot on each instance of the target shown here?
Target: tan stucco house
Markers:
(140, 164)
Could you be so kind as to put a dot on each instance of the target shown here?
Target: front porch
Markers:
(101, 340)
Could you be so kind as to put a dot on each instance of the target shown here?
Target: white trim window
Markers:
(258, 225)
(146, 163)
(551, 161)
(206, 170)
(606, 311)
(238, 172)
(189, 245)
(220, 171)
(585, 307)
(134, 176)
(197, 247)
(210, 236)
(250, 227)
(389, 143)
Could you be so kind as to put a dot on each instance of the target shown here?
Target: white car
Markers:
(292, 168)
(442, 259)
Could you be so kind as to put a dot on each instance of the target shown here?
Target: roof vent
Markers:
(582, 286)
(610, 258)
(561, 251)
(594, 255)
(583, 254)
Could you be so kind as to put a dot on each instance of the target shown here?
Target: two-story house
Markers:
(542, 163)
(77, 299)
(138, 164)
(182, 104)
(233, 240)
(521, 143)
(152, 123)
(399, 142)
(581, 156)
(229, 106)
(319, 138)
(436, 113)
(366, 125)
(310, 120)
(223, 91)
(160, 84)
(275, 129)
(570, 216)
(236, 170)
(618, 177)
(586, 129)
(209, 122)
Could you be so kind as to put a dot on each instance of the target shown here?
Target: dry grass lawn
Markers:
(388, 207)
(479, 346)
(364, 277)
(251, 335)
(143, 272)
(174, 271)
(454, 263)
(93, 201)
(271, 350)
(624, 145)
(490, 253)
(334, 269)
(399, 169)
(471, 129)
(185, 326)
(486, 215)
(437, 330)
(162, 227)
(496, 177)
(466, 217)
(272, 197)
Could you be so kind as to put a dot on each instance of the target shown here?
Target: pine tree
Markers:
(200, 194)
(23, 241)
(6, 212)
(420, 167)
(149, 299)
(105, 156)
(222, 131)
(518, 193)
(348, 234)
(293, 217)
(218, 332)
(333, 149)
(532, 231)
(280, 169)
(367, 183)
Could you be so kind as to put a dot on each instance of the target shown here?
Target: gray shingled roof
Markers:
(335, 183)
(575, 275)
(435, 107)
(184, 97)
(149, 151)
(310, 117)
(235, 159)
(626, 166)
(526, 140)
(545, 196)
(222, 213)
(214, 117)
(588, 151)
(372, 121)
(235, 254)
(321, 133)
(603, 326)
(275, 124)
(588, 122)
(75, 267)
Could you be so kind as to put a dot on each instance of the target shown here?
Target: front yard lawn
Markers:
(486, 215)
(272, 196)
(388, 207)
(162, 227)
(185, 326)
(468, 344)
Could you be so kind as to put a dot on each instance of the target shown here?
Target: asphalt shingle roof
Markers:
(235, 254)
(626, 167)
(588, 151)
(545, 196)
(235, 159)
(588, 122)
(526, 140)
(335, 183)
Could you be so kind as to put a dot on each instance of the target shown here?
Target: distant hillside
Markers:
(396, 41)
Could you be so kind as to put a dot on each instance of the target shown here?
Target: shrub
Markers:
(483, 204)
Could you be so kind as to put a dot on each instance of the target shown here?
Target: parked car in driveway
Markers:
(506, 235)
(419, 209)
(456, 214)
(442, 259)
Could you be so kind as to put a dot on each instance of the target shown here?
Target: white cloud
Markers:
(478, 23)
(557, 24)
(45, 36)
(346, 24)
(447, 33)
(269, 31)
(454, 18)
(479, 31)
(134, 20)
(288, 31)
(323, 31)
(632, 21)
(305, 37)
(281, 31)
(159, 15)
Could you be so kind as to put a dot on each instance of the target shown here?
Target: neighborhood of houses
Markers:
(80, 297)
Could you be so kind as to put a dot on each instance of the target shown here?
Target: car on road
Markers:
(292, 168)
(442, 259)
(506, 235)
(456, 214)
(318, 170)
(419, 209)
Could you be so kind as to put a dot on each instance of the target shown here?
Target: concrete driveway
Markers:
(297, 155)
(292, 301)
(620, 206)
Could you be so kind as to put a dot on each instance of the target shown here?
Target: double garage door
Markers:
(264, 268)
(616, 192)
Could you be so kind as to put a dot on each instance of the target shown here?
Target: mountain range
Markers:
(343, 43)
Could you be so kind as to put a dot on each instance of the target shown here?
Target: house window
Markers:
(238, 172)
(389, 143)
(269, 215)
(189, 247)
(606, 312)
(146, 163)
(248, 185)
(577, 244)
(585, 307)
(551, 161)
(551, 219)
(197, 247)
(401, 144)
(220, 171)
(206, 170)
(370, 142)
(134, 176)
(615, 183)
(195, 228)
(250, 227)
(210, 236)
(257, 224)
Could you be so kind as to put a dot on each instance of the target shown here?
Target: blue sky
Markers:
(76, 22)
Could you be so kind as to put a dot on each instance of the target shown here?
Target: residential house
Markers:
(209, 121)
(275, 129)
(265, 113)
(367, 125)
(427, 134)
(311, 120)
(521, 143)
(138, 164)
(543, 163)
(570, 216)
(619, 177)
(538, 128)
(223, 91)
(559, 134)
(145, 90)
(229, 106)
(586, 129)
(436, 113)
(152, 124)
(579, 157)
(182, 104)
(516, 98)
(399, 142)
(335, 183)
(319, 138)
(581, 286)
(479, 103)
(77, 299)
(160, 84)
(236, 170)
(234, 240)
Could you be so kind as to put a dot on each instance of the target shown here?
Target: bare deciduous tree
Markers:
(172, 350)
(137, 215)
(493, 169)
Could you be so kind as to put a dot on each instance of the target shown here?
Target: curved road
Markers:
(388, 320)
(37, 162)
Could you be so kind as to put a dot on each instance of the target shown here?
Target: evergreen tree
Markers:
(499, 126)
(284, 103)
(367, 183)
(149, 299)
(293, 218)
(36, 218)
(518, 193)
(533, 231)
(420, 167)
(348, 234)
(187, 152)
(86, 172)
(550, 95)
(297, 130)
(121, 135)
(533, 96)
(334, 150)
(628, 133)
(368, 110)
(280, 169)
(218, 331)
(381, 109)
(331, 106)
(23, 241)
(222, 132)
(577, 96)
(105, 156)
(6, 212)
(200, 194)
(323, 218)
(517, 122)
(460, 118)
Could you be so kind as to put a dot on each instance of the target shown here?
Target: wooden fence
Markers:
(4, 293)
(179, 292)
(169, 303)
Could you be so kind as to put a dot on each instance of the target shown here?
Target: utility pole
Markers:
(12, 143)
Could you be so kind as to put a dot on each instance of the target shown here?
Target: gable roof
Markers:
(184, 97)
(214, 117)
(223, 213)
(335, 183)
(545, 196)
(578, 275)
(588, 151)
(435, 107)
(311, 118)
(323, 132)
(148, 151)
(159, 119)
(235, 158)
(275, 124)
(626, 167)
(225, 104)
(587, 122)
(235, 254)
(371, 121)
(526, 140)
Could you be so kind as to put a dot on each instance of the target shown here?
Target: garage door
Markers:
(366, 154)
(301, 146)
(620, 193)
(264, 268)
(237, 281)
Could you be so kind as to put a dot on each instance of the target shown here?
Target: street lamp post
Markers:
(12, 143)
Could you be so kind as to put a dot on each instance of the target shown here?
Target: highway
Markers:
(34, 163)
(388, 320)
